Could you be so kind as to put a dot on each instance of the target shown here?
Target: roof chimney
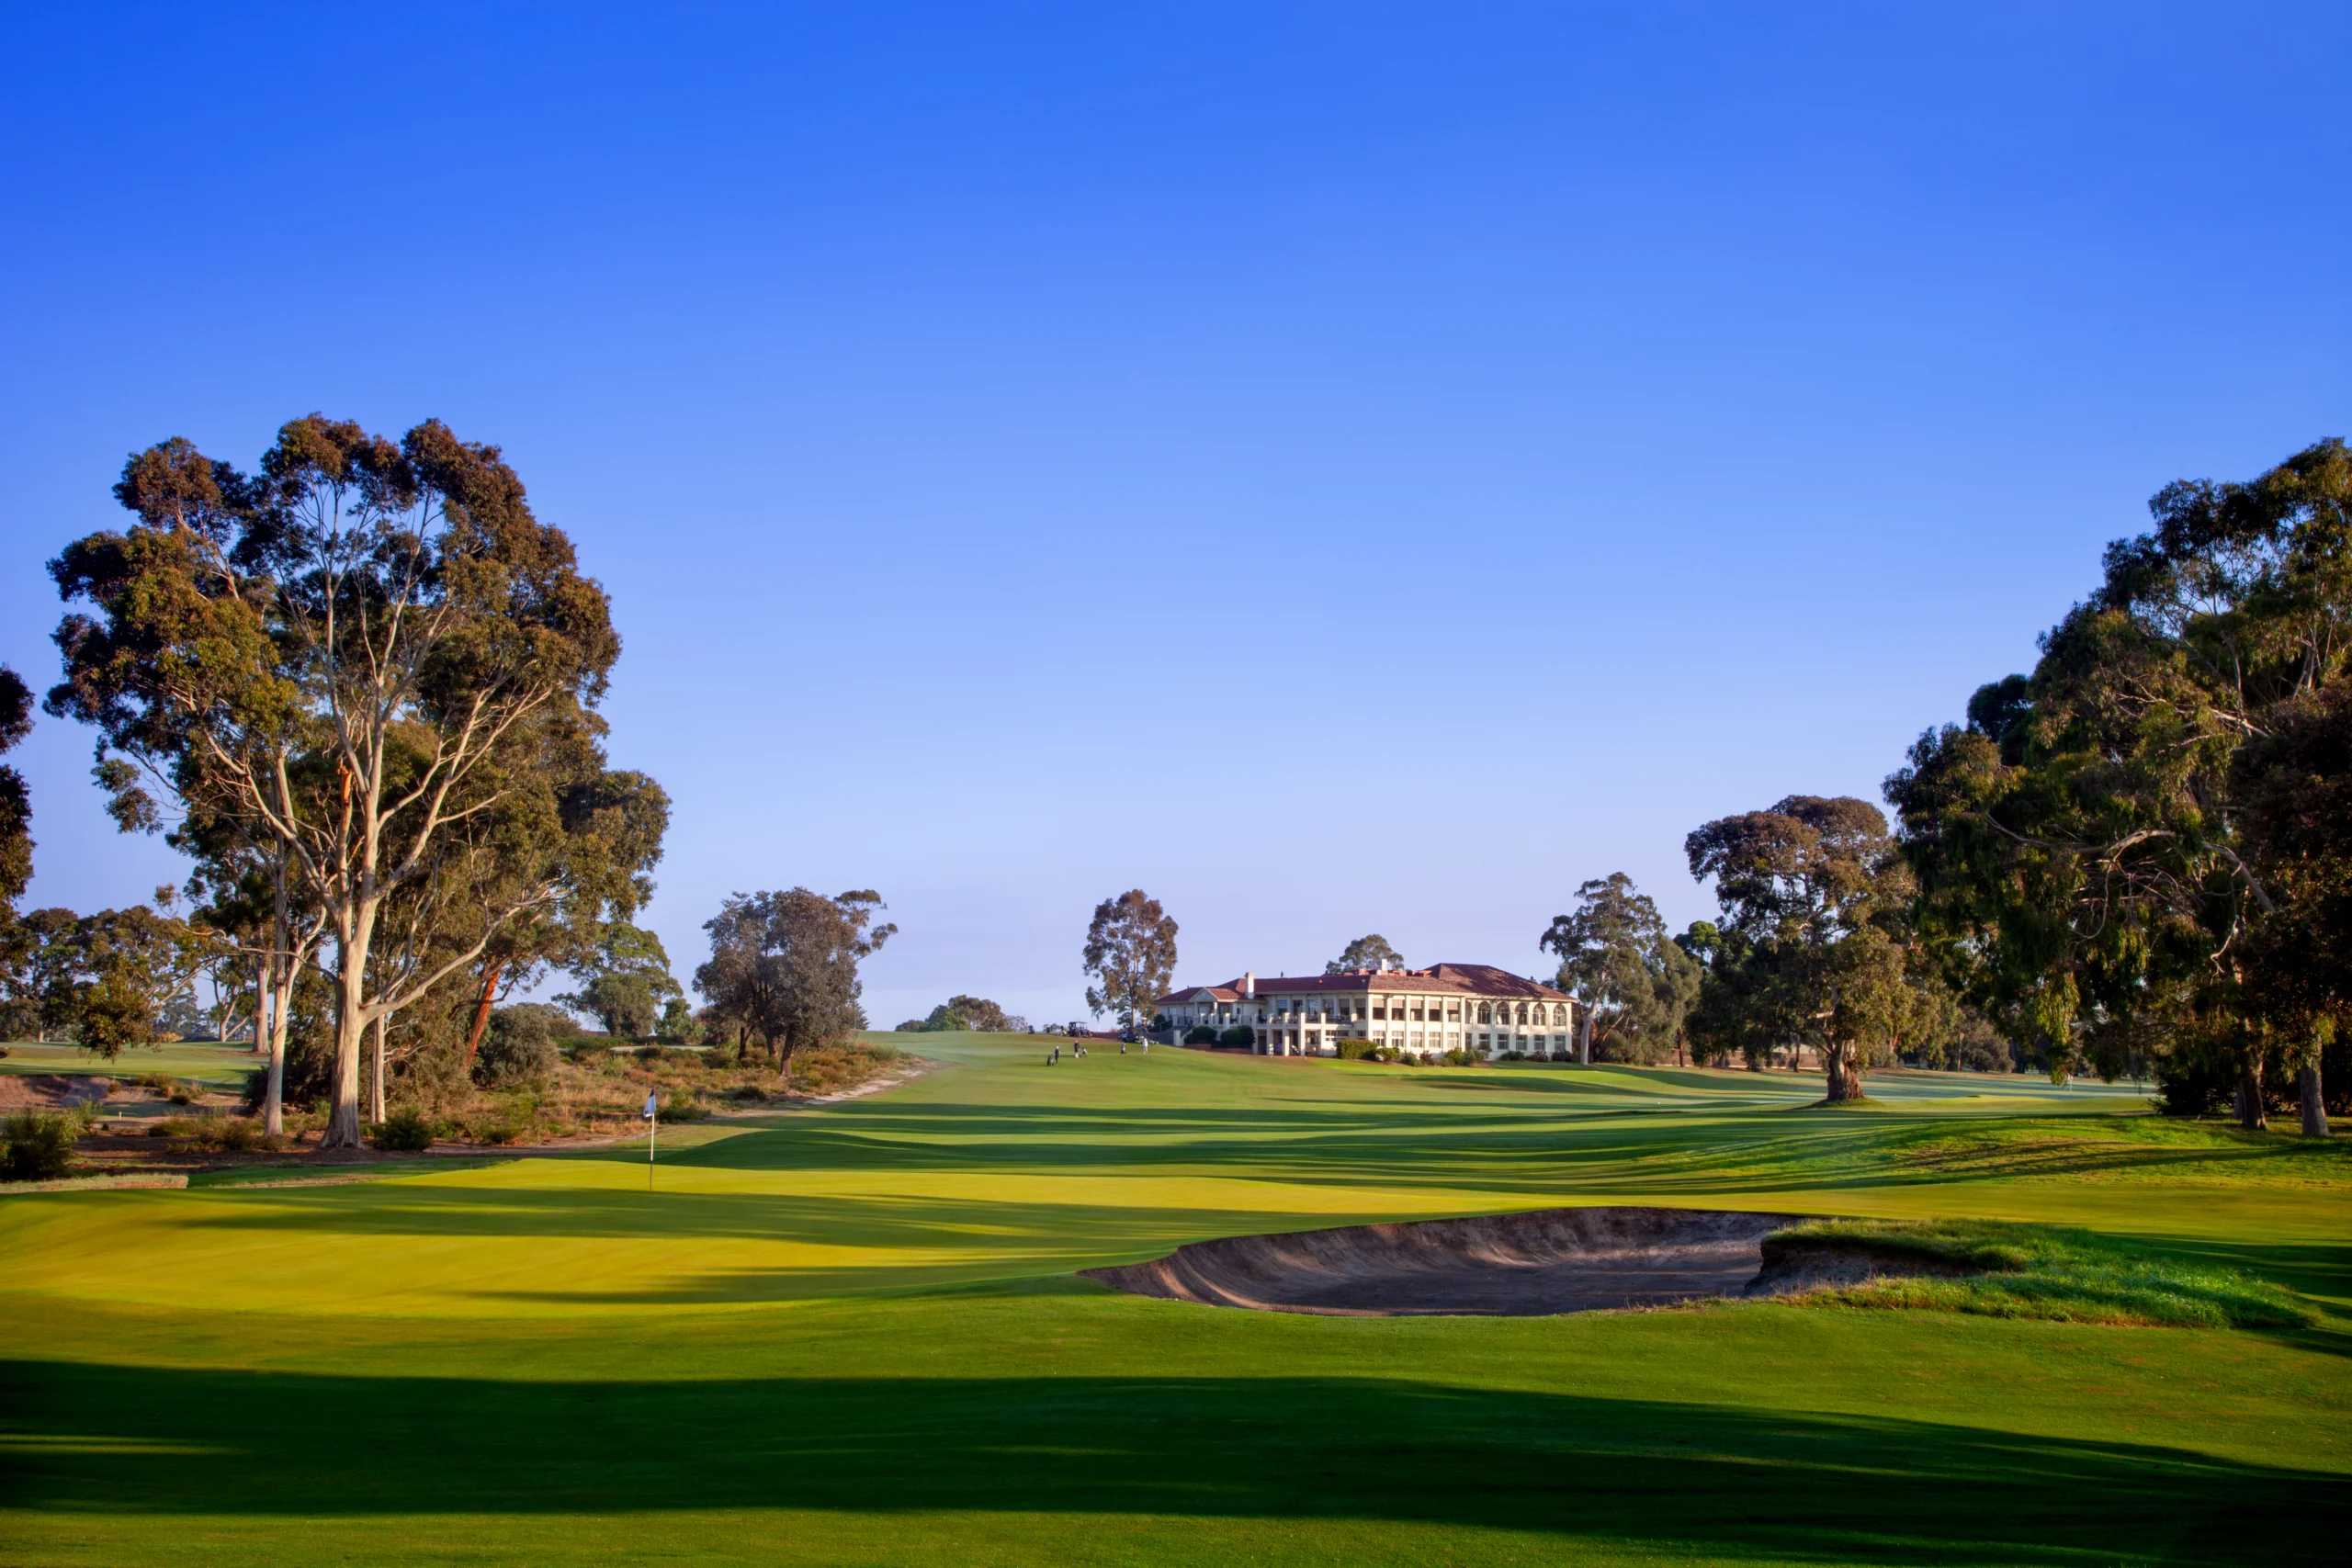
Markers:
(1249, 983)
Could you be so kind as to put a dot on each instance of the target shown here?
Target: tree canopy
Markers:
(1812, 945)
(1366, 953)
(2125, 851)
(369, 668)
(783, 965)
(1131, 953)
(1616, 959)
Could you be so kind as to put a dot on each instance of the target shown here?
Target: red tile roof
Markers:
(1442, 979)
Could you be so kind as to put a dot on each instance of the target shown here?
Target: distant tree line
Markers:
(969, 1013)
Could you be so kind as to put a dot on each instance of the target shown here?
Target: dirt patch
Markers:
(1525, 1265)
(51, 1091)
(1790, 1269)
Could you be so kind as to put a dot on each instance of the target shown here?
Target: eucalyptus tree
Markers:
(1813, 948)
(1131, 953)
(18, 943)
(16, 801)
(783, 965)
(1366, 953)
(337, 658)
(1608, 947)
(627, 981)
(2086, 844)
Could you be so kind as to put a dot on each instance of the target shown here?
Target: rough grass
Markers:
(2035, 1271)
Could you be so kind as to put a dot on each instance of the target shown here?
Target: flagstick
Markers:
(652, 1125)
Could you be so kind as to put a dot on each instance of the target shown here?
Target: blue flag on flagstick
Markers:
(648, 1108)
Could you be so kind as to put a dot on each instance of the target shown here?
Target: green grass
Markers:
(854, 1336)
(214, 1066)
(2014, 1270)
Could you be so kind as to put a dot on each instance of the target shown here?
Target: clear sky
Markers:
(1340, 469)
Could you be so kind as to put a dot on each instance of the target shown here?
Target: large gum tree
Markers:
(2128, 846)
(339, 663)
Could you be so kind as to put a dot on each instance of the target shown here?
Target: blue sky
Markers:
(1340, 469)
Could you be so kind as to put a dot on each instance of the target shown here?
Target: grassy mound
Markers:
(1997, 1270)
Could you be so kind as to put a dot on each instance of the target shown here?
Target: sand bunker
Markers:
(1525, 1265)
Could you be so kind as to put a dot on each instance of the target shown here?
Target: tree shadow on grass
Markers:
(1708, 1480)
(1490, 1144)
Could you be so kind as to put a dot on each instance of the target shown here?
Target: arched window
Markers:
(1523, 1012)
(1560, 1012)
(1486, 1012)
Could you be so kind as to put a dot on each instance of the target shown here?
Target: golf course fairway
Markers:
(853, 1334)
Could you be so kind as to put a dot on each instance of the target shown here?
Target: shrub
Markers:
(230, 1135)
(2193, 1087)
(719, 1054)
(516, 1048)
(683, 1108)
(1201, 1034)
(653, 1055)
(408, 1130)
(1356, 1050)
(592, 1058)
(1458, 1058)
(36, 1146)
(1240, 1034)
(500, 1127)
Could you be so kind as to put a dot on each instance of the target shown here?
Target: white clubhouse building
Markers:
(1450, 1006)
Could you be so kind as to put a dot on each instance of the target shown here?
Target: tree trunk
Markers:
(277, 973)
(376, 1087)
(2250, 1110)
(489, 974)
(350, 1023)
(1845, 1081)
(261, 1005)
(2314, 1104)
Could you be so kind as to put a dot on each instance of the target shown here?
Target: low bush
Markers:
(1241, 1034)
(2193, 1087)
(1458, 1058)
(1201, 1034)
(592, 1058)
(228, 1135)
(655, 1056)
(407, 1130)
(676, 1107)
(498, 1129)
(35, 1146)
(1356, 1050)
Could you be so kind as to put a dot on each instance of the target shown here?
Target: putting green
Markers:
(853, 1335)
